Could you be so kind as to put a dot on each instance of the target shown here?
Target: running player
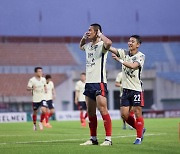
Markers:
(96, 82)
(132, 62)
(80, 98)
(118, 83)
(37, 85)
(50, 96)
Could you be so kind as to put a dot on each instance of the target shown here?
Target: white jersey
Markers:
(132, 77)
(96, 57)
(119, 80)
(49, 94)
(80, 86)
(39, 92)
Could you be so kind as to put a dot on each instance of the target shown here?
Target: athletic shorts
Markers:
(36, 105)
(132, 98)
(82, 105)
(50, 104)
(94, 89)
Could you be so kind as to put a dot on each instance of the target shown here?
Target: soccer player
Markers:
(80, 98)
(118, 83)
(96, 82)
(50, 96)
(37, 85)
(132, 62)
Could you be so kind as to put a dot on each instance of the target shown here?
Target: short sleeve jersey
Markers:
(80, 86)
(96, 56)
(50, 87)
(119, 80)
(39, 92)
(131, 78)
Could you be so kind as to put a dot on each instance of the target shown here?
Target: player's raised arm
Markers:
(107, 41)
(113, 50)
(131, 65)
(83, 41)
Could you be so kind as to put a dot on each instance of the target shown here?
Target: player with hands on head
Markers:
(96, 46)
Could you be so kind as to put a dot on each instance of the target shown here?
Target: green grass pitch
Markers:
(162, 136)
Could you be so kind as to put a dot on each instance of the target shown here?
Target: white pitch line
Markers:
(51, 141)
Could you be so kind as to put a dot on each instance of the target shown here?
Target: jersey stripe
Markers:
(142, 98)
(102, 89)
(102, 67)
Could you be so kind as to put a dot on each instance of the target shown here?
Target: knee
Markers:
(124, 116)
(91, 112)
(103, 110)
(138, 112)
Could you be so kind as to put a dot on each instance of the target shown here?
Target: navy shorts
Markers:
(50, 104)
(82, 105)
(36, 105)
(94, 89)
(132, 98)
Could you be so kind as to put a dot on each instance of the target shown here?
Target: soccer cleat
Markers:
(106, 143)
(137, 141)
(90, 142)
(144, 130)
(124, 127)
(40, 126)
(34, 127)
(130, 127)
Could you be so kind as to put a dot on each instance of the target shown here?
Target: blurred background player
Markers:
(50, 96)
(80, 98)
(132, 62)
(37, 85)
(96, 82)
(118, 83)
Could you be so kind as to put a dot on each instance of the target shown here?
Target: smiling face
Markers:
(92, 33)
(133, 44)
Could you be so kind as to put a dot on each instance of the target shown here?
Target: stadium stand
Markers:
(15, 84)
(175, 46)
(171, 76)
(33, 54)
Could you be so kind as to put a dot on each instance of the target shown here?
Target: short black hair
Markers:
(37, 68)
(137, 37)
(96, 27)
(83, 73)
(48, 76)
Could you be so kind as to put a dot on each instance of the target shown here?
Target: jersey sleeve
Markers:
(52, 84)
(140, 59)
(119, 78)
(77, 87)
(44, 81)
(30, 83)
(121, 54)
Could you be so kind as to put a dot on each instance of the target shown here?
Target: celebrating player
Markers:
(80, 98)
(50, 95)
(132, 62)
(96, 87)
(37, 85)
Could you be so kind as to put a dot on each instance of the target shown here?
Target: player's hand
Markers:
(115, 57)
(33, 87)
(85, 36)
(54, 97)
(76, 102)
(99, 33)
